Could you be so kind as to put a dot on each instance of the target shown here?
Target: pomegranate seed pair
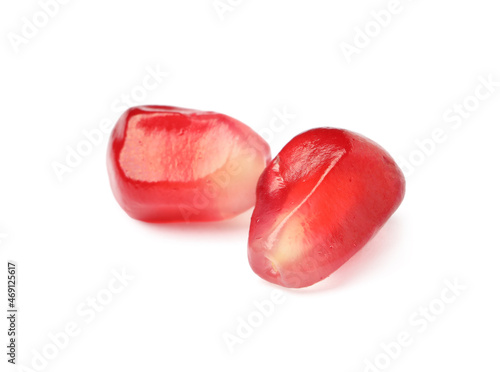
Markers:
(317, 203)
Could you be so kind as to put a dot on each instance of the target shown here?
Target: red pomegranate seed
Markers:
(319, 202)
(169, 164)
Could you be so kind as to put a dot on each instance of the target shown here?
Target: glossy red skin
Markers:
(170, 164)
(318, 203)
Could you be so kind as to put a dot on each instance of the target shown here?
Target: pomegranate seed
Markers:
(318, 203)
(169, 164)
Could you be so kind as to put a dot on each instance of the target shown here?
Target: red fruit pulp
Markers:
(319, 202)
(169, 164)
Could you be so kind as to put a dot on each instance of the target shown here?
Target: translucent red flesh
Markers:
(169, 164)
(319, 201)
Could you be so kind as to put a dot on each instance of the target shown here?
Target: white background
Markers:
(192, 282)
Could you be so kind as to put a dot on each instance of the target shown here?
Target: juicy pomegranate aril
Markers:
(319, 202)
(170, 164)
